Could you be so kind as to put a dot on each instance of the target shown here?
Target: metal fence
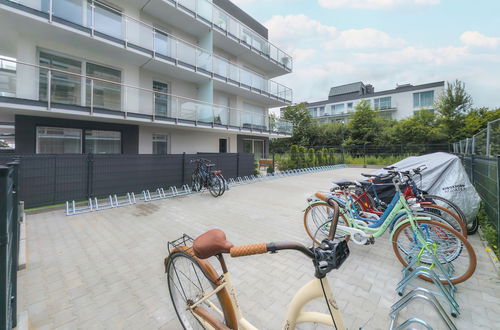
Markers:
(54, 179)
(9, 245)
(484, 143)
(484, 173)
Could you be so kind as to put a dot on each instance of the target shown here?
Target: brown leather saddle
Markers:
(211, 243)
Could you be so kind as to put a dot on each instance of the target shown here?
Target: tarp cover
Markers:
(446, 177)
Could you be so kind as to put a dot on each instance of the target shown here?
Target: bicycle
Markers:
(411, 232)
(366, 200)
(204, 177)
(203, 299)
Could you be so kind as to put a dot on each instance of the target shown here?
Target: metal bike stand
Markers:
(128, 199)
(413, 320)
(426, 295)
(72, 209)
(448, 290)
(239, 180)
(105, 204)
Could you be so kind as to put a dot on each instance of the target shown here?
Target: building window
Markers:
(253, 116)
(161, 98)
(103, 142)
(160, 146)
(7, 76)
(423, 99)
(107, 95)
(223, 146)
(255, 147)
(349, 106)
(382, 103)
(58, 140)
(65, 87)
(337, 109)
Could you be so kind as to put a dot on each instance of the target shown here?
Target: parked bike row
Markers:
(428, 235)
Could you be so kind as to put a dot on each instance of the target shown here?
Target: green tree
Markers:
(328, 134)
(421, 128)
(303, 124)
(452, 106)
(477, 119)
(366, 125)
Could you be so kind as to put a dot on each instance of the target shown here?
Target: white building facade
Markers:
(398, 103)
(144, 76)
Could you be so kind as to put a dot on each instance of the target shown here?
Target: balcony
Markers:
(232, 35)
(30, 87)
(104, 23)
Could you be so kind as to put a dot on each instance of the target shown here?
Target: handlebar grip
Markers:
(248, 250)
(322, 196)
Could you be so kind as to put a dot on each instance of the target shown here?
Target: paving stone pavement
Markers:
(104, 270)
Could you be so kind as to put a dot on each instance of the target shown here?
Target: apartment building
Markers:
(397, 103)
(143, 76)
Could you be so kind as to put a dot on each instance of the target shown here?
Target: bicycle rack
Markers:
(426, 295)
(159, 194)
(128, 199)
(186, 190)
(104, 204)
(447, 290)
(72, 209)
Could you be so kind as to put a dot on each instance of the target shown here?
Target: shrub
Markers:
(489, 231)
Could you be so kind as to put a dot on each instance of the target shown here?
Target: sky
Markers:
(385, 43)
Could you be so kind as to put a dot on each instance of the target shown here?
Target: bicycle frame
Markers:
(396, 209)
(312, 290)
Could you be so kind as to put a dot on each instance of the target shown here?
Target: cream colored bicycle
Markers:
(203, 299)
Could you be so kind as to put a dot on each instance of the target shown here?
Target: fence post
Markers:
(488, 136)
(237, 164)
(15, 243)
(274, 168)
(472, 168)
(90, 175)
(183, 167)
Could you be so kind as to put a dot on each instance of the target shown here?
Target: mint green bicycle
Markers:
(413, 235)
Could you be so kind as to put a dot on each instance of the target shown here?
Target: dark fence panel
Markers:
(54, 179)
(9, 246)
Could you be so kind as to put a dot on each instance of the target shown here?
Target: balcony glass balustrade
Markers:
(59, 89)
(106, 22)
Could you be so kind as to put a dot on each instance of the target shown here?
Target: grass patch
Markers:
(489, 231)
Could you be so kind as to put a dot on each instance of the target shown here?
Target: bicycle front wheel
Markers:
(317, 220)
(451, 248)
(196, 181)
(188, 284)
(441, 201)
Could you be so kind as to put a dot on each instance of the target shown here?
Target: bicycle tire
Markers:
(449, 216)
(215, 185)
(318, 216)
(206, 278)
(446, 235)
(471, 227)
(224, 184)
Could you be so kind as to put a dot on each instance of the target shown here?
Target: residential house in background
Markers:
(147, 77)
(397, 103)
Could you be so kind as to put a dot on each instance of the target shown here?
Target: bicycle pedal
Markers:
(370, 240)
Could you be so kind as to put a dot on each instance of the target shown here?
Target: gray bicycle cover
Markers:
(445, 176)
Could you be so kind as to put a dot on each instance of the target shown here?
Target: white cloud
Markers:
(363, 38)
(476, 39)
(291, 28)
(372, 4)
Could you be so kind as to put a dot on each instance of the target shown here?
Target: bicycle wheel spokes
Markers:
(215, 185)
(188, 285)
(441, 243)
(317, 220)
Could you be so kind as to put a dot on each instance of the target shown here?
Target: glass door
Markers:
(161, 99)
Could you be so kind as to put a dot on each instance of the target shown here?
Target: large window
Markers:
(65, 87)
(161, 98)
(382, 103)
(57, 140)
(337, 109)
(423, 99)
(60, 140)
(7, 77)
(160, 144)
(253, 116)
(107, 95)
(255, 147)
(103, 142)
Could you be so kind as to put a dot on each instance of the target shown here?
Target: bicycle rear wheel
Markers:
(196, 181)
(441, 201)
(317, 220)
(188, 284)
(447, 215)
(215, 185)
(224, 183)
(451, 247)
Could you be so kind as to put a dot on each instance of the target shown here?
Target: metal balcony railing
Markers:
(58, 89)
(106, 22)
